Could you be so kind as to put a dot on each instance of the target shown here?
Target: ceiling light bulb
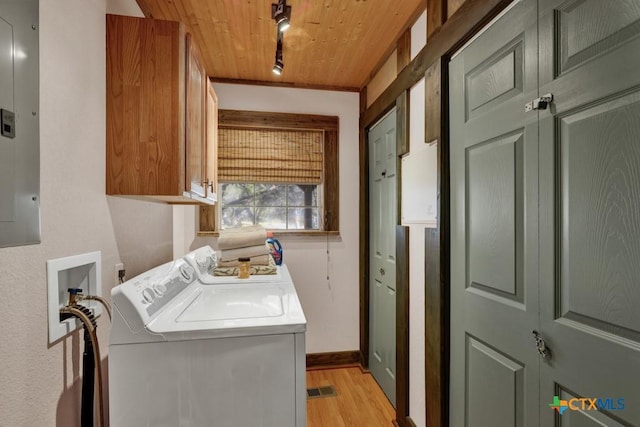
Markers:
(277, 67)
(284, 25)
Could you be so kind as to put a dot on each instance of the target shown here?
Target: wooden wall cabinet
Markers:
(158, 126)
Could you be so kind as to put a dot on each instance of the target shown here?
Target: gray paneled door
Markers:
(494, 246)
(590, 207)
(382, 259)
(546, 216)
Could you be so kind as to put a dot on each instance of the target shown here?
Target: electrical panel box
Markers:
(19, 123)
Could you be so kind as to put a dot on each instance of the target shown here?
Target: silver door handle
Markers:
(541, 345)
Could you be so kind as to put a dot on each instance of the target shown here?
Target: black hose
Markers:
(88, 381)
(89, 356)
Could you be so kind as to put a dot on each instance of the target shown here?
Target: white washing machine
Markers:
(205, 352)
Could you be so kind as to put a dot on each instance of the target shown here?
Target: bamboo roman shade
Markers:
(270, 155)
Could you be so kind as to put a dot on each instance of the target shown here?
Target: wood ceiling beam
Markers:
(407, 27)
(404, 50)
(436, 15)
(471, 16)
(285, 84)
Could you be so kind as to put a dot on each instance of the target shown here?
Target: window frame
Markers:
(208, 226)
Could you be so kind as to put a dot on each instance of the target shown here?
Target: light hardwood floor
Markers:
(360, 401)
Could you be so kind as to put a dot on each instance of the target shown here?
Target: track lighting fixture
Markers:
(281, 13)
(279, 64)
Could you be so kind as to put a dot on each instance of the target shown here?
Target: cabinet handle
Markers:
(208, 184)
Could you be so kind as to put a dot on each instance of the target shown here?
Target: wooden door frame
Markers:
(431, 63)
(402, 259)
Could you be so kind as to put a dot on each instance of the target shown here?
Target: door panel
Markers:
(491, 214)
(589, 28)
(195, 121)
(382, 225)
(495, 380)
(494, 189)
(590, 207)
(583, 418)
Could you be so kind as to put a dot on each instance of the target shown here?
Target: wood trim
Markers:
(471, 16)
(331, 181)
(364, 247)
(433, 106)
(402, 125)
(453, 6)
(207, 221)
(402, 324)
(436, 15)
(363, 100)
(407, 27)
(404, 50)
(437, 254)
(434, 377)
(285, 84)
(260, 119)
(333, 359)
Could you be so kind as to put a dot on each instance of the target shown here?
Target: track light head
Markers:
(284, 25)
(281, 13)
(277, 67)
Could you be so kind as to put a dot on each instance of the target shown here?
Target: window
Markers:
(277, 170)
(274, 206)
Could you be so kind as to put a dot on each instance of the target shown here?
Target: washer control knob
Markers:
(148, 295)
(186, 272)
(160, 289)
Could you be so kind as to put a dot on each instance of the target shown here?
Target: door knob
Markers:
(541, 345)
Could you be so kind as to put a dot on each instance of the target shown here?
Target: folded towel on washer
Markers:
(252, 251)
(254, 260)
(253, 270)
(242, 237)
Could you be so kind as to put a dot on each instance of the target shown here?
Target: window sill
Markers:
(280, 233)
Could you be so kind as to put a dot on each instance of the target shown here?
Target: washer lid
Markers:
(232, 309)
(234, 302)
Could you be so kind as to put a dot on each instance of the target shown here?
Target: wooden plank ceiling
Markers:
(331, 43)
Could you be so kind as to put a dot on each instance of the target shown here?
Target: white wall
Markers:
(331, 306)
(39, 383)
(419, 34)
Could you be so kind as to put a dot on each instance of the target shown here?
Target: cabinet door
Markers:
(195, 126)
(211, 160)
